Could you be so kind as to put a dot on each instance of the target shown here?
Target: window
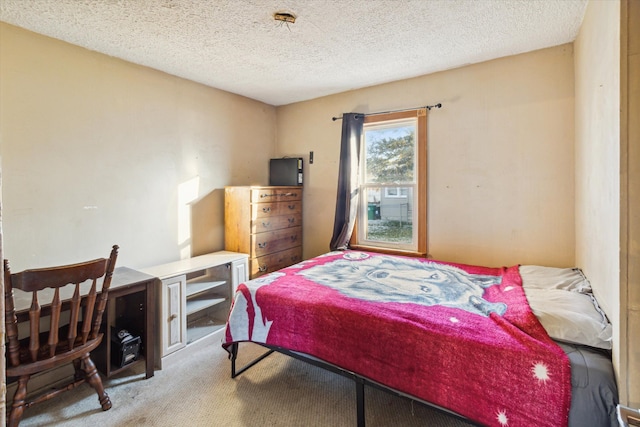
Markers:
(392, 210)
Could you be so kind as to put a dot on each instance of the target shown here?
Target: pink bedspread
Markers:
(461, 337)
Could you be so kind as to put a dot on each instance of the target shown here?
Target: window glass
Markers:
(388, 178)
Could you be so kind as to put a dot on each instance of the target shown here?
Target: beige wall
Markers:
(607, 182)
(501, 184)
(97, 151)
(630, 165)
(598, 150)
(630, 236)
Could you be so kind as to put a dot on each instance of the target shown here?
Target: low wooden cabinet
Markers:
(266, 223)
(194, 300)
(131, 306)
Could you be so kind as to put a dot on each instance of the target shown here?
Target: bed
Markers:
(520, 345)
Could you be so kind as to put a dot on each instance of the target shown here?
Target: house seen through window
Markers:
(392, 206)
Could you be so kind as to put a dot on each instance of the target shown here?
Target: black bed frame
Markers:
(358, 380)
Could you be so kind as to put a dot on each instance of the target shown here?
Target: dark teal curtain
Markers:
(348, 181)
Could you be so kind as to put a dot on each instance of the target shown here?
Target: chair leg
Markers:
(93, 378)
(17, 408)
(79, 372)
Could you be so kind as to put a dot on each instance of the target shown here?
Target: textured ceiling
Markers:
(334, 45)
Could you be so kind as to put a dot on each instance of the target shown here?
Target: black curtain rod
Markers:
(428, 107)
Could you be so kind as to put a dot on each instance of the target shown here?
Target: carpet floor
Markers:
(199, 391)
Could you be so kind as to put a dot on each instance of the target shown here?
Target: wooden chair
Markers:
(64, 341)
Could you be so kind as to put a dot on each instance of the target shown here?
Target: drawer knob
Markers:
(292, 206)
(292, 220)
(267, 209)
(262, 268)
(262, 245)
(266, 224)
(294, 238)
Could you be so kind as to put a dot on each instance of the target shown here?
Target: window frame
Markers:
(421, 186)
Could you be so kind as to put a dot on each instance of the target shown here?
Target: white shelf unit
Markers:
(195, 299)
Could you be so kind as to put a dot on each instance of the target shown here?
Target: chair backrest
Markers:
(85, 307)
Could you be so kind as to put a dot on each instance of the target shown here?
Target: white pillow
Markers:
(571, 316)
(569, 279)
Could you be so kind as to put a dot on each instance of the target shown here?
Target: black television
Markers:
(285, 171)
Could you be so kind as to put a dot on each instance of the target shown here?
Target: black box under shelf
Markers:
(125, 348)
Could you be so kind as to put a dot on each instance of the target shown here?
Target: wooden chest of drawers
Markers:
(266, 223)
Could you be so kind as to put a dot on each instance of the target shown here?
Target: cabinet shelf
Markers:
(117, 369)
(204, 326)
(199, 304)
(194, 288)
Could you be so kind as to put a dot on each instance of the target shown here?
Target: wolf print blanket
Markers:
(459, 336)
